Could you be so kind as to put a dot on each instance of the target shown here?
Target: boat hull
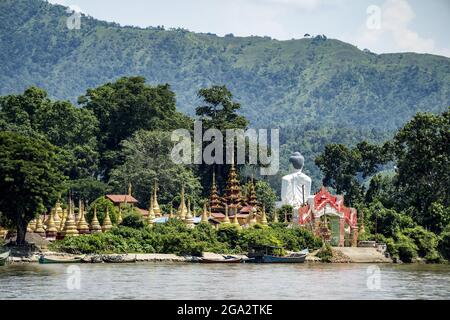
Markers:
(277, 259)
(237, 260)
(47, 260)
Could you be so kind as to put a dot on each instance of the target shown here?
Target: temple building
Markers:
(328, 217)
(121, 199)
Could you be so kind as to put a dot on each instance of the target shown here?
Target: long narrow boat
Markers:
(227, 259)
(4, 257)
(56, 259)
(272, 254)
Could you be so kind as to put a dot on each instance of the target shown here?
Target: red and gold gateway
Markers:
(328, 217)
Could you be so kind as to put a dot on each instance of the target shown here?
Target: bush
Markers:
(426, 242)
(133, 220)
(325, 253)
(444, 245)
(406, 248)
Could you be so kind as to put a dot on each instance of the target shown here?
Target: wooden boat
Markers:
(227, 259)
(57, 259)
(272, 254)
(4, 257)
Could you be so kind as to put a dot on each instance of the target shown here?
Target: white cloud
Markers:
(396, 16)
(302, 4)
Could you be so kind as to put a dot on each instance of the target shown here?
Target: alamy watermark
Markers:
(373, 21)
(73, 22)
(252, 147)
(373, 281)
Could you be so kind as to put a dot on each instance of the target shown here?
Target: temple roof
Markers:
(120, 198)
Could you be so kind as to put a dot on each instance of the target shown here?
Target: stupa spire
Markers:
(39, 226)
(70, 227)
(82, 226)
(156, 208)
(182, 211)
(214, 199)
(95, 225)
(263, 216)
(205, 217)
(107, 225)
(151, 213)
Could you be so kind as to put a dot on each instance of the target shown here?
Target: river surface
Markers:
(240, 281)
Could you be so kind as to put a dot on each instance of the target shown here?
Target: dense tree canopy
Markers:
(30, 179)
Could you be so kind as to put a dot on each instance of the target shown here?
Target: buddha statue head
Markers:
(297, 160)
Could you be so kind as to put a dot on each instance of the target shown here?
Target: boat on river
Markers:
(4, 257)
(273, 254)
(43, 259)
(225, 259)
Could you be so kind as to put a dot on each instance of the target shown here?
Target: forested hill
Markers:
(311, 87)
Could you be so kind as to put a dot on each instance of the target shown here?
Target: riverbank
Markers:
(340, 255)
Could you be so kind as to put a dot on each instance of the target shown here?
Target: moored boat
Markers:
(4, 257)
(272, 254)
(57, 259)
(226, 259)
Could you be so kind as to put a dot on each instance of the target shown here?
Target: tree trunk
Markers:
(21, 232)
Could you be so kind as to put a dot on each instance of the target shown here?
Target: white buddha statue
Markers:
(295, 187)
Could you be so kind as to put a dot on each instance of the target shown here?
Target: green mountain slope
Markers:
(318, 90)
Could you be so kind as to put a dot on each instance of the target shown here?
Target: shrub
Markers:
(406, 248)
(444, 245)
(133, 220)
(325, 253)
(426, 242)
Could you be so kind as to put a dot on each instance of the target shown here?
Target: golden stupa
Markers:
(82, 226)
(205, 215)
(31, 226)
(264, 217)
(189, 219)
(107, 225)
(70, 226)
(95, 226)
(51, 227)
(39, 227)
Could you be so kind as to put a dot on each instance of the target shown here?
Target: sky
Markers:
(382, 26)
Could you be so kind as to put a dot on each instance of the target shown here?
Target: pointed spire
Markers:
(251, 194)
(70, 227)
(107, 225)
(189, 220)
(263, 216)
(205, 217)
(95, 225)
(156, 208)
(51, 227)
(129, 189)
(226, 219)
(214, 201)
(182, 211)
(82, 226)
(233, 194)
(151, 213)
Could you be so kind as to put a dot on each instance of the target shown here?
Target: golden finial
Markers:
(107, 225)
(95, 225)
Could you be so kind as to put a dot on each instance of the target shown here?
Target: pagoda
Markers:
(182, 210)
(107, 225)
(189, 219)
(95, 226)
(82, 226)
(151, 212)
(70, 227)
(39, 227)
(214, 198)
